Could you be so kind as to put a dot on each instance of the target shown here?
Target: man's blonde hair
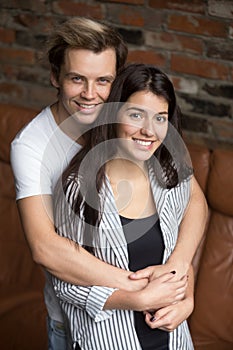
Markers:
(84, 33)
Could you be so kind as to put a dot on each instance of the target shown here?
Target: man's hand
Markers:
(169, 317)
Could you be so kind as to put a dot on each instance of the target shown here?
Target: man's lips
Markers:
(87, 106)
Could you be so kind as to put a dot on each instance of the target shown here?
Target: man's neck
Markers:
(68, 125)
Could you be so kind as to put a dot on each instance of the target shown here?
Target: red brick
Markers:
(155, 19)
(11, 89)
(197, 25)
(31, 5)
(186, 85)
(28, 20)
(223, 8)
(17, 56)
(28, 74)
(36, 23)
(37, 96)
(126, 15)
(134, 2)
(9, 71)
(70, 8)
(47, 23)
(174, 42)
(7, 35)
(202, 68)
(222, 128)
(231, 32)
(196, 6)
(150, 57)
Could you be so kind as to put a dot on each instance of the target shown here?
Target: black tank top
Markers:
(145, 247)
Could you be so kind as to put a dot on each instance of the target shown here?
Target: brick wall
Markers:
(192, 41)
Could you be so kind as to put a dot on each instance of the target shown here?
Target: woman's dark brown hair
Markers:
(171, 154)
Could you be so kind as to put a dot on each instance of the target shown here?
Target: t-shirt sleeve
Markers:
(32, 177)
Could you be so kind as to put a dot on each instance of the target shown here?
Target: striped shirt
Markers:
(92, 327)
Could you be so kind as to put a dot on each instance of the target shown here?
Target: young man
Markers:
(84, 56)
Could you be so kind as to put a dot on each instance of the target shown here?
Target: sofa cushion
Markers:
(200, 157)
(220, 184)
(23, 321)
(12, 119)
(212, 318)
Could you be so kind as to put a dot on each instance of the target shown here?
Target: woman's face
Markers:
(143, 124)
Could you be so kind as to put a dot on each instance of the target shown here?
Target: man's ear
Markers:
(53, 80)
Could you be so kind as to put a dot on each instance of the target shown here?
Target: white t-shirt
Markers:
(39, 154)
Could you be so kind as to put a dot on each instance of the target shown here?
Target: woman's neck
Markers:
(119, 168)
(131, 188)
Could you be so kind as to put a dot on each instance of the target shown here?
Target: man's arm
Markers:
(162, 291)
(191, 232)
(63, 257)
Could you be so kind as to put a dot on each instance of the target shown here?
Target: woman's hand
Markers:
(169, 317)
(155, 271)
(135, 285)
(162, 291)
(150, 272)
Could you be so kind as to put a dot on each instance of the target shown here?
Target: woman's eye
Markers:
(135, 116)
(160, 118)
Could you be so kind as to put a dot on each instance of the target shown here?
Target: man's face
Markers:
(84, 83)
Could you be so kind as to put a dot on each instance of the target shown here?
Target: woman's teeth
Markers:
(143, 143)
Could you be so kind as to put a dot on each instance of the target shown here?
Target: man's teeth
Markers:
(86, 106)
(143, 143)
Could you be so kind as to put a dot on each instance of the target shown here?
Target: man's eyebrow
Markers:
(72, 74)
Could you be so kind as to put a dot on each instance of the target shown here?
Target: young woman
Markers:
(125, 194)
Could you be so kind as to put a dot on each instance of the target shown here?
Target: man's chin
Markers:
(84, 118)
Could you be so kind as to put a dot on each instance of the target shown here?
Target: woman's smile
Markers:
(143, 119)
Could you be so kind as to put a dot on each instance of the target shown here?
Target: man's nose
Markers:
(88, 91)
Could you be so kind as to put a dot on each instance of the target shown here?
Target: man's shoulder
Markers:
(39, 129)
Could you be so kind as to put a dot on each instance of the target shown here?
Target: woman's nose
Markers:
(147, 129)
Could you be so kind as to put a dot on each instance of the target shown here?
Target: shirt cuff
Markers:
(96, 301)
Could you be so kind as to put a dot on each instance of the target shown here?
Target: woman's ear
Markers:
(54, 80)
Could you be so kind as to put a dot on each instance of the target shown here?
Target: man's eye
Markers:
(76, 79)
(104, 81)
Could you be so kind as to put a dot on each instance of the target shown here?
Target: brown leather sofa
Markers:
(22, 311)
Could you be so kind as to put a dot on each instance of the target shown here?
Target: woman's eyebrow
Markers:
(136, 109)
(143, 110)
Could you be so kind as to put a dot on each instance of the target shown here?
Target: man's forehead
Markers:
(87, 63)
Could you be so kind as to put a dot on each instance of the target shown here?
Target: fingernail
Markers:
(152, 319)
(174, 272)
